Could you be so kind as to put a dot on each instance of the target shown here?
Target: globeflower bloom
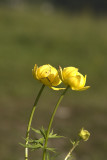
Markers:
(84, 134)
(71, 77)
(47, 75)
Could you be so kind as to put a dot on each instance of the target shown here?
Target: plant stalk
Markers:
(51, 120)
(70, 152)
(30, 120)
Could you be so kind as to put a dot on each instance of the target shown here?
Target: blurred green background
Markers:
(45, 35)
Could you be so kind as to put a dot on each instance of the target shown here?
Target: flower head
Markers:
(70, 76)
(47, 75)
(84, 134)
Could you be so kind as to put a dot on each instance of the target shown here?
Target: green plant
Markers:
(49, 76)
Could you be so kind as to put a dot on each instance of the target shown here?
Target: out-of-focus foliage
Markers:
(99, 6)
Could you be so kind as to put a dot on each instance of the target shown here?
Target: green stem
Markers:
(70, 152)
(51, 120)
(30, 120)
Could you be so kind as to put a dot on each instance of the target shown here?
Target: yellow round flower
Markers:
(47, 75)
(84, 134)
(70, 76)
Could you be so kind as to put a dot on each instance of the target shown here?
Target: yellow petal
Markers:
(46, 81)
(57, 89)
(60, 73)
(69, 72)
(74, 82)
(84, 134)
(34, 71)
(43, 71)
(56, 81)
(84, 88)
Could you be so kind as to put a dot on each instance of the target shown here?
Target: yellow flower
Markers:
(47, 75)
(70, 76)
(84, 134)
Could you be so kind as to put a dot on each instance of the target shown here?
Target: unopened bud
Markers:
(84, 134)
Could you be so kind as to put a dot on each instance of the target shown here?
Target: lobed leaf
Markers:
(51, 135)
(51, 149)
(36, 130)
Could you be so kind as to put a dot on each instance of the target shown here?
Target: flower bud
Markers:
(70, 76)
(84, 134)
(47, 75)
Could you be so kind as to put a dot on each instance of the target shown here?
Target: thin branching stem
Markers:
(51, 120)
(30, 120)
(71, 150)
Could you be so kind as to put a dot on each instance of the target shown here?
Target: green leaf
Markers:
(30, 146)
(43, 132)
(22, 145)
(34, 144)
(51, 135)
(72, 142)
(51, 149)
(36, 130)
(40, 140)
